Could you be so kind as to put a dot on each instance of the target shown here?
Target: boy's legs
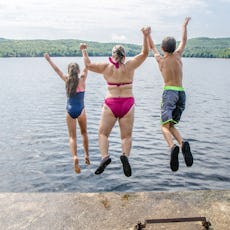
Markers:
(174, 149)
(176, 134)
(184, 145)
(170, 130)
(165, 128)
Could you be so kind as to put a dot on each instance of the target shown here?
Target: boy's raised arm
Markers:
(153, 48)
(182, 44)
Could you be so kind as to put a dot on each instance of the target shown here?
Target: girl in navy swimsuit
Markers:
(75, 91)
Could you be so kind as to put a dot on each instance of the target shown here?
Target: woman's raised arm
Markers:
(95, 67)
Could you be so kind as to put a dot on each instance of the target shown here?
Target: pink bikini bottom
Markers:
(120, 106)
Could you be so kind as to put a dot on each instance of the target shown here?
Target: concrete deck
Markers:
(112, 211)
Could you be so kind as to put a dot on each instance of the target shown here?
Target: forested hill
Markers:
(196, 47)
(208, 47)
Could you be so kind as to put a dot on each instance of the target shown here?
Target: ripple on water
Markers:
(34, 149)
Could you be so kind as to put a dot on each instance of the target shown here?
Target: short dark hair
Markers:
(168, 44)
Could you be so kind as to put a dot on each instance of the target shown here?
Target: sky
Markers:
(117, 21)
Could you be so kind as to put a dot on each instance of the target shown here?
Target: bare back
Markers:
(171, 68)
(120, 79)
(123, 75)
(170, 64)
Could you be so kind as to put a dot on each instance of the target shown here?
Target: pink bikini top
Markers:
(116, 64)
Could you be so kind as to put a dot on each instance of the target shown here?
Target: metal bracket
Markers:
(205, 223)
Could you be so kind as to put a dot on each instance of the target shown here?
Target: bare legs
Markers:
(169, 131)
(107, 123)
(83, 127)
(126, 126)
(71, 123)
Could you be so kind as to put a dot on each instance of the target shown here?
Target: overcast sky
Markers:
(112, 20)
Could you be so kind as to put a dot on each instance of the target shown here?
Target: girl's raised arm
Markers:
(84, 74)
(56, 69)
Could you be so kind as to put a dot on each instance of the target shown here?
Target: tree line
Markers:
(196, 47)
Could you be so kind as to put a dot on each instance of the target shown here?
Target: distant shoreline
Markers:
(201, 47)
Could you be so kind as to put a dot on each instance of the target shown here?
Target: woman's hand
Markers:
(146, 30)
(83, 46)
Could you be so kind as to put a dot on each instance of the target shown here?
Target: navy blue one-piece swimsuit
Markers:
(75, 104)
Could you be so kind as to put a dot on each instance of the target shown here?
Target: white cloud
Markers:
(101, 20)
(118, 38)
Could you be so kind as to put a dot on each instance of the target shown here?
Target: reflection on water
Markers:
(34, 151)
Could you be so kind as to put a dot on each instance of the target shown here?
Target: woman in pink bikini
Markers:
(119, 101)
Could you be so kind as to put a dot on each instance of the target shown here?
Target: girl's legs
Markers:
(82, 121)
(71, 123)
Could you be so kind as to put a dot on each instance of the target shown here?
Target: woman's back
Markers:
(119, 75)
(119, 80)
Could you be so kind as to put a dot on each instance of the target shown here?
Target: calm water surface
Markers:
(34, 150)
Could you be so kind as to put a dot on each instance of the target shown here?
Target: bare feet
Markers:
(87, 161)
(76, 166)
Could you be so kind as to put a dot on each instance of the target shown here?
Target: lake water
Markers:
(34, 149)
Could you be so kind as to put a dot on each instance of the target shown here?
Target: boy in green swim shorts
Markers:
(173, 98)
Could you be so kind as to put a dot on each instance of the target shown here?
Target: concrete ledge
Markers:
(112, 211)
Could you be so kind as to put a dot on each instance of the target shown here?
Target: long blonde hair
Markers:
(73, 79)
